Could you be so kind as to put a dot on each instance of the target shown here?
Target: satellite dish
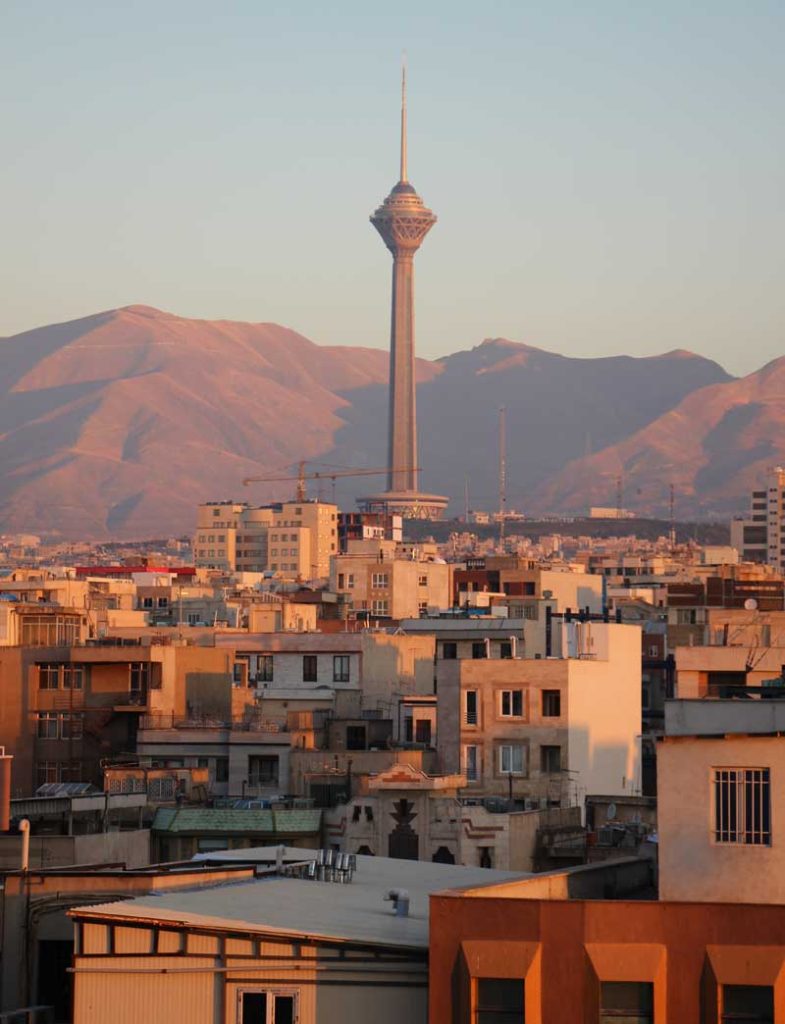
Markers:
(751, 604)
(611, 812)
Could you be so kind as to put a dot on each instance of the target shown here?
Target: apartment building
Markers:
(65, 709)
(721, 811)
(547, 730)
(385, 580)
(521, 584)
(593, 945)
(760, 537)
(294, 539)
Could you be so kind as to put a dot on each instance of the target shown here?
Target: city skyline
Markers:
(626, 163)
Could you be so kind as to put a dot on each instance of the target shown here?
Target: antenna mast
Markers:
(502, 471)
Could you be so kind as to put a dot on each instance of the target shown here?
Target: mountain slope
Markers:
(119, 424)
(714, 447)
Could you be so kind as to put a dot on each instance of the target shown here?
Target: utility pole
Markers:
(672, 535)
(502, 472)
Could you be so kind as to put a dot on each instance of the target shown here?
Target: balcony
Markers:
(252, 723)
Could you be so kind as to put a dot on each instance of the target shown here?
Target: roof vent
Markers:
(400, 901)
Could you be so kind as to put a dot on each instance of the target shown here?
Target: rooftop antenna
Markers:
(672, 534)
(466, 499)
(619, 495)
(502, 471)
(403, 118)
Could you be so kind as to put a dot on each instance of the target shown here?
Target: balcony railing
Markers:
(253, 723)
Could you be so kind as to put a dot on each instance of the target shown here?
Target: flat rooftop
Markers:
(299, 908)
(725, 717)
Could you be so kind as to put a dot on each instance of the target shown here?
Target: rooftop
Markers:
(718, 717)
(356, 912)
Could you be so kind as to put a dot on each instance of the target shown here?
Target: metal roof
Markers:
(226, 820)
(356, 912)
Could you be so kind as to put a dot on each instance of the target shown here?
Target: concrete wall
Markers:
(131, 848)
(692, 865)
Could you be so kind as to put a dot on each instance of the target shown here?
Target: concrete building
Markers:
(761, 536)
(384, 580)
(293, 539)
(404, 812)
(720, 810)
(521, 583)
(64, 710)
(551, 730)
(38, 936)
(593, 945)
(279, 949)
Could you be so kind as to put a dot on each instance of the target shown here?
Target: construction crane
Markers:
(302, 477)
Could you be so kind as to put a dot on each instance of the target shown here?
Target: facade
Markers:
(720, 809)
(294, 539)
(520, 583)
(379, 579)
(592, 946)
(281, 949)
(761, 536)
(65, 710)
(547, 730)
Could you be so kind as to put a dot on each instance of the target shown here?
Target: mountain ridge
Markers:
(121, 422)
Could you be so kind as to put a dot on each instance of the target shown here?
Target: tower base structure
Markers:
(407, 504)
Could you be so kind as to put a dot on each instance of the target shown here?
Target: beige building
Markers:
(549, 731)
(382, 579)
(761, 536)
(290, 947)
(293, 539)
(721, 809)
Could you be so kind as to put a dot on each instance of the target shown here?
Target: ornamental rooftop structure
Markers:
(403, 221)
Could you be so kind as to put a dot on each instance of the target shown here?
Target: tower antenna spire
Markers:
(403, 119)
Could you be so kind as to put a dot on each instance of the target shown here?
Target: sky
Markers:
(607, 175)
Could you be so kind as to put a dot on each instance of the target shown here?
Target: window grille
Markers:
(742, 806)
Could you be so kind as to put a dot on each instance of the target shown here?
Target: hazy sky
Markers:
(608, 176)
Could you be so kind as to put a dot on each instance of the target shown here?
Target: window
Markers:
(550, 760)
(485, 856)
(267, 1007)
(264, 668)
(341, 580)
(511, 759)
(47, 725)
(742, 806)
(479, 650)
(380, 580)
(379, 607)
(309, 668)
(350, 581)
(551, 703)
(753, 1004)
(222, 769)
(71, 727)
(422, 580)
(422, 731)
(341, 668)
(499, 1001)
(48, 771)
(449, 650)
(505, 649)
(140, 676)
(356, 737)
(73, 677)
(48, 677)
(471, 707)
(511, 703)
(471, 763)
(163, 602)
(626, 1002)
(263, 770)
(147, 602)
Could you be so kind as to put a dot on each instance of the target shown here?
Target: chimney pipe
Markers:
(24, 828)
(5, 790)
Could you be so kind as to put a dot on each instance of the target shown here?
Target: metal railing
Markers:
(244, 723)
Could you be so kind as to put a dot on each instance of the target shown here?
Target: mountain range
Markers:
(119, 424)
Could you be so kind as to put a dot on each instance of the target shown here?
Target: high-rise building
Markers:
(761, 536)
(295, 539)
(403, 221)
